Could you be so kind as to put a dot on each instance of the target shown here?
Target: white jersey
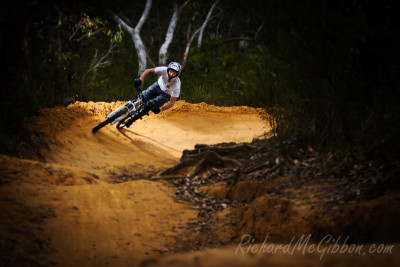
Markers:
(173, 87)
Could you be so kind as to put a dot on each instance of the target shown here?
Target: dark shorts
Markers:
(155, 95)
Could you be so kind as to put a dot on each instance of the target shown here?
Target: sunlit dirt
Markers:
(74, 198)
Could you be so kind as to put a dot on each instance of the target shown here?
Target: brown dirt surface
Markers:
(151, 195)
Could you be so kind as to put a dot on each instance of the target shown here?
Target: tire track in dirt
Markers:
(61, 205)
(155, 142)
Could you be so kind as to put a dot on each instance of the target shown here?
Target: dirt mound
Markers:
(62, 135)
(254, 190)
(135, 197)
(281, 219)
(60, 203)
(271, 254)
(35, 172)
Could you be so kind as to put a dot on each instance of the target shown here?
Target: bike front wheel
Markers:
(107, 121)
(121, 124)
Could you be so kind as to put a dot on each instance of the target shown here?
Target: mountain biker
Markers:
(167, 88)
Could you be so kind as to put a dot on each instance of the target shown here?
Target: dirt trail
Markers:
(75, 198)
(152, 143)
(64, 205)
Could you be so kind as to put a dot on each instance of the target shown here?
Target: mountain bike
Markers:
(121, 114)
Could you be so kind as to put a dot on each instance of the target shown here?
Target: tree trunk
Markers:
(135, 34)
(205, 23)
(163, 54)
(187, 49)
(189, 30)
(199, 30)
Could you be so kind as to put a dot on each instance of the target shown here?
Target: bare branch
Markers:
(135, 34)
(187, 49)
(76, 30)
(190, 25)
(205, 23)
(239, 39)
(86, 35)
(258, 30)
(184, 5)
(219, 22)
(123, 24)
(140, 48)
(163, 54)
(199, 30)
(100, 62)
(144, 16)
(246, 38)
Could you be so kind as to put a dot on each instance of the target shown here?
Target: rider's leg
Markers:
(150, 92)
(142, 112)
(144, 97)
(157, 99)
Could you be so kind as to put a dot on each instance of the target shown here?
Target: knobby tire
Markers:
(107, 121)
(120, 123)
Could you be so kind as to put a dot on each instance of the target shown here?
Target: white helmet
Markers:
(175, 66)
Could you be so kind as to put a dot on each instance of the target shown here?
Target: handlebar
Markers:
(139, 91)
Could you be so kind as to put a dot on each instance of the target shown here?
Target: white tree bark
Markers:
(205, 23)
(135, 34)
(189, 30)
(163, 54)
(187, 49)
(141, 51)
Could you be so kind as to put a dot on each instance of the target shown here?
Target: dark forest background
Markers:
(326, 70)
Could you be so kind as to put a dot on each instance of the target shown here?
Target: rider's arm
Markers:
(146, 72)
(170, 104)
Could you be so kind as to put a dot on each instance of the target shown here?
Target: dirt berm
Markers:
(192, 186)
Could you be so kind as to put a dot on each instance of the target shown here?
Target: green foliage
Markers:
(221, 75)
(328, 70)
(74, 61)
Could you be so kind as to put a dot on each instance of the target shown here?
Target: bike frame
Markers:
(129, 108)
(122, 113)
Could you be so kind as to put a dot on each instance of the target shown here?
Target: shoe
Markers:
(142, 112)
